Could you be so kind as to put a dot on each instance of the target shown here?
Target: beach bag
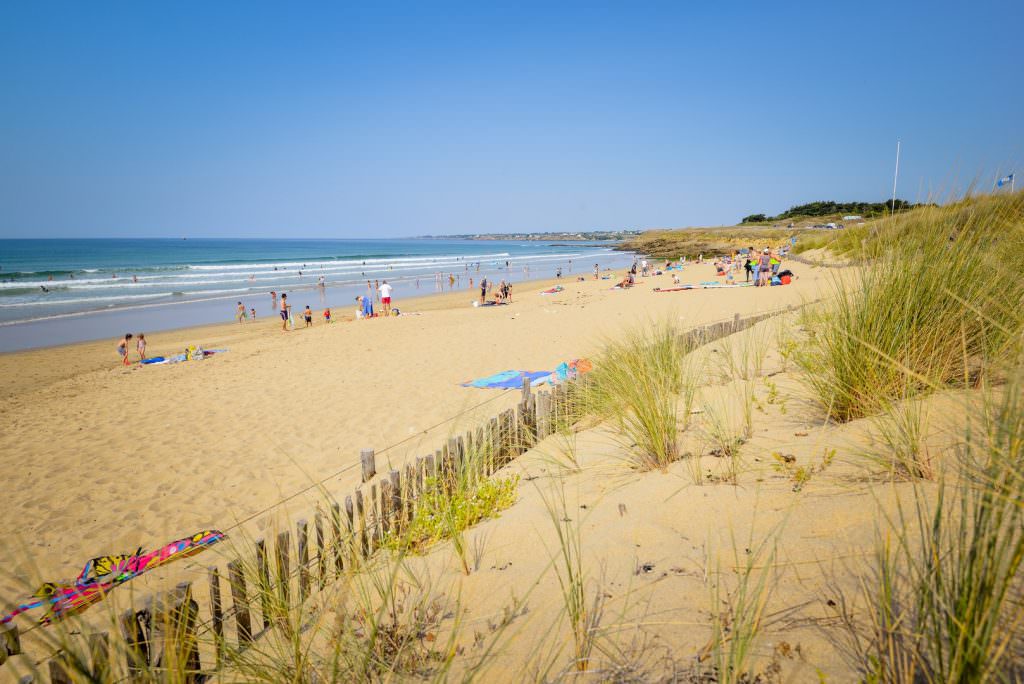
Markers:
(786, 280)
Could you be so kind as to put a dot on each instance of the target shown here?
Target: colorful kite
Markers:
(100, 575)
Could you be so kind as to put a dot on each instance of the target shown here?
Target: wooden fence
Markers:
(295, 563)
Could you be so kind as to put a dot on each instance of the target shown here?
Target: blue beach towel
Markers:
(510, 379)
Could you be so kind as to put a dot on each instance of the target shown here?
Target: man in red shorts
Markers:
(385, 297)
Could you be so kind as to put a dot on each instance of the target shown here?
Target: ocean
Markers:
(68, 290)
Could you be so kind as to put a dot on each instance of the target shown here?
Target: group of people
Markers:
(763, 268)
(125, 343)
(502, 293)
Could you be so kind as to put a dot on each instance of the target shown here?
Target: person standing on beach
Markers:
(376, 289)
(385, 297)
(240, 312)
(597, 272)
(763, 268)
(483, 290)
(308, 315)
(122, 348)
(285, 310)
(140, 346)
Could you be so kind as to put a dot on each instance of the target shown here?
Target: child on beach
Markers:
(141, 347)
(252, 312)
(327, 315)
(285, 311)
(308, 315)
(122, 348)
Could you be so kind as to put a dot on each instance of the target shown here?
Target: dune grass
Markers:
(939, 302)
(639, 383)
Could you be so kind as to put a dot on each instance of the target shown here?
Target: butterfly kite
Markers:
(100, 575)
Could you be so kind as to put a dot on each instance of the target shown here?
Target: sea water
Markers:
(59, 291)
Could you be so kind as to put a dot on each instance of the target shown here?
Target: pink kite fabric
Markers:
(102, 574)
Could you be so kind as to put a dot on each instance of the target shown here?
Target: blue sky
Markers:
(378, 119)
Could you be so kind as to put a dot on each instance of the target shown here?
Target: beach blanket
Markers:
(570, 370)
(510, 379)
(100, 575)
(710, 285)
(158, 360)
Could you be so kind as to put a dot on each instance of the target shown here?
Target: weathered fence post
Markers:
(364, 543)
(350, 522)
(543, 417)
(302, 540)
(384, 506)
(526, 389)
(735, 322)
(217, 612)
(264, 585)
(409, 493)
(239, 602)
(185, 641)
(58, 669)
(373, 515)
(338, 541)
(137, 642)
(493, 444)
(369, 463)
(396, 501)
(321, 558)
(282, 551)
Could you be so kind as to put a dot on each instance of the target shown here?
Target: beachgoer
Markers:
(308, 315)
(376, 289)
(327, 315)
(140, 346)
(122, 348)
(240, 312)
(558, 272)
(385, 297)
(285, 311)
(675, 279)
(252, 312)
(483, 290)
(597, 272)
(763, 268)
(749, 268)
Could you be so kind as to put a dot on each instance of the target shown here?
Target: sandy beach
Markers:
(98, 458)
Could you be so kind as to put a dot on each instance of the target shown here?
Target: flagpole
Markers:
(895, 176)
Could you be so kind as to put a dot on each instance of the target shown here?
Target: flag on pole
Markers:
(1005, 180)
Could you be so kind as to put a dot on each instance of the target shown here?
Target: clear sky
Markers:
(370, 119)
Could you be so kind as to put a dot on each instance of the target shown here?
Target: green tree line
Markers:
(865, 209)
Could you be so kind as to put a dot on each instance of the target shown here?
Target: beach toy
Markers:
(102, 574)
